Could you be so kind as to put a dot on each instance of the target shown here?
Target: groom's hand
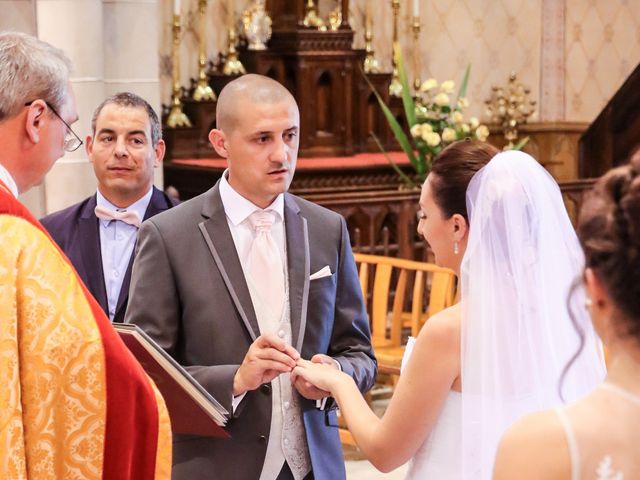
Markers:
(267, 357)
(306, 389)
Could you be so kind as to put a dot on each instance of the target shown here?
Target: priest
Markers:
(74, 402)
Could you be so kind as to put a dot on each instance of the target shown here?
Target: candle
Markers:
(176, 7)
(416, 8)
(367, 15)
(230, 12)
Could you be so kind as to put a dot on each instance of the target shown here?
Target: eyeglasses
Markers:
(71, 141)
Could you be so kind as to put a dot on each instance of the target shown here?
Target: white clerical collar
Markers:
(8, 180)
(139, 206)
(239, 208)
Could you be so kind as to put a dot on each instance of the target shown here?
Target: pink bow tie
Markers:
(131, 217)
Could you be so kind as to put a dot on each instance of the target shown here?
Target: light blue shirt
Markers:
(117, 240)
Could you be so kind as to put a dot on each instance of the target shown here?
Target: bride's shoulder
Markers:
(442, 329)
(535, 447)
(445, 321)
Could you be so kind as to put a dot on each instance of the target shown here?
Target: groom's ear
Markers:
(460, 227)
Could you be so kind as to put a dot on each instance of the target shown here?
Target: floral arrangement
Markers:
(434, 120)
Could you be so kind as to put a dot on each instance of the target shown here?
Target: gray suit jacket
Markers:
(189, 293)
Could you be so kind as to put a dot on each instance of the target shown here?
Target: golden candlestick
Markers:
(202, 91)
(176, 117)
(395, 88)
(415, 27)
(510, 106)
(311, 18)
(232, 65)
(371, 64)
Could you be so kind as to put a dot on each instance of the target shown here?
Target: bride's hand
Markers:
(321, 376)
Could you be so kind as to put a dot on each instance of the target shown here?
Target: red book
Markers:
(191, 408)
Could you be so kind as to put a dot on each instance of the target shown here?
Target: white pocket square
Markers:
(323, 272)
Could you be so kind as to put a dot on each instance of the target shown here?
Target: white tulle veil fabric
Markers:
(517, 335)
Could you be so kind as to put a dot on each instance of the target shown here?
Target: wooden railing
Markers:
(384, 222)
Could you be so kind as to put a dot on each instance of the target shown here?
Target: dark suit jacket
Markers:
(75, 230)
(203, 316)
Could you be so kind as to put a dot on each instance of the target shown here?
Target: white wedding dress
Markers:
(517, 335)
(435, 458)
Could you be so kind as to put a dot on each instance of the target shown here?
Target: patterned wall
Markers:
(602, 49)
(573, 54)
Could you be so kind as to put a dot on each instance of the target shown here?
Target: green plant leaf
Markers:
(520, 145)
(405, 178)
(465, 82)
(397, 130)
(407, 100)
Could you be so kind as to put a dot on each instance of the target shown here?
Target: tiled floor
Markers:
(358, 468)
(363, 470)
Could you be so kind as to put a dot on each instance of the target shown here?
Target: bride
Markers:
(598, 436)
(498, 220)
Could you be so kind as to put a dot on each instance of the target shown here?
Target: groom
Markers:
(245, 279)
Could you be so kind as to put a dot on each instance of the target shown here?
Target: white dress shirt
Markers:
(8, 180)
(117, 240)
(238, 210)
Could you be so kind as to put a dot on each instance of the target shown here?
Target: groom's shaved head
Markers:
(254, 88)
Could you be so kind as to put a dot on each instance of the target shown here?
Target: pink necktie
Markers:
(131, 217)
(265, 263)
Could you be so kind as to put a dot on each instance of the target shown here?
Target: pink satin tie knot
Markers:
(265, 263)
(131, 217)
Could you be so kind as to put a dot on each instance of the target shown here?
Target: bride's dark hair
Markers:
(452, 171)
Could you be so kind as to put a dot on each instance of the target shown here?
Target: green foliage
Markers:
(434, 121)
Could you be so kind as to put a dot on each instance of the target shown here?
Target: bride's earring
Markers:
(456, 249)
(587, 302)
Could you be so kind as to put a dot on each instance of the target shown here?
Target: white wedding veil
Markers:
(517, 335)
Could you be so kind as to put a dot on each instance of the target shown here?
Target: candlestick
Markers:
(371, 64)
(203, 90)
(176, 117)
(395, 88)
(232, 65)
(311, 18)
(415, 26)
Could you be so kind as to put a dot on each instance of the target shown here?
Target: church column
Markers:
(552, 68)
(131, 51)
(77, 28)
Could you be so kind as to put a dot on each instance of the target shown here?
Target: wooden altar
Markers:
(338, 110)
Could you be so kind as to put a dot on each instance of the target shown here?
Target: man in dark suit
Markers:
(245, 279)
(124, 149)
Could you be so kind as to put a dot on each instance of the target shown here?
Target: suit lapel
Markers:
(298, 269)
(157, 204)
(217, 236)
(88, 232)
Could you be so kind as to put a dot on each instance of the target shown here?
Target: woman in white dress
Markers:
(498, 220)
(597, 437)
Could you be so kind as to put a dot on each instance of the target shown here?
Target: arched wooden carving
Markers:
(323, 103)
(372, 115)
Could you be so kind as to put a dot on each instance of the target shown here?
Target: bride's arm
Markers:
(423, 386)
